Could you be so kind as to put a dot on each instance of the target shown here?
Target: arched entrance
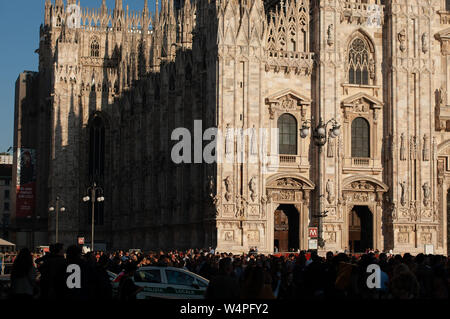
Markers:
(360, 229)
(288, 213)
(286, 230)
(362, 199)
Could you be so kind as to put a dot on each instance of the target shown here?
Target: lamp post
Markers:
(92, 191)
(320, 136)
(57, 210)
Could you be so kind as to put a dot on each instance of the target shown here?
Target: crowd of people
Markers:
(247, 276)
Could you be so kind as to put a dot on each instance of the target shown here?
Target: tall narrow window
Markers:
(358, 63)
(287, 130)
(95, 49)
(97, 148)
(360, 138)
(447, 5)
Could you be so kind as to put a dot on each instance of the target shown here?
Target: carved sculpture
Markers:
(241, 206)
(402, 40)
(330, 191)
(402, 148)
(426, 193)
(252, 187)
(403, 194)
(330, 31)
(425, 42)
(228, 188)
(426, 149)
(330, 147)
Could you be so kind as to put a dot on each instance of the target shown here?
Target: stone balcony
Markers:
(354, 165)
(287, 61)
(362, 11)
(445, 16)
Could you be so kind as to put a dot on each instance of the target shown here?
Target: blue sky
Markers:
(19, 33)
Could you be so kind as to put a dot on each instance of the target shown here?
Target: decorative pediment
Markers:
(443, 149)
(288, 101)
(288, 94)
(362, 98)
(361, 103)
(444, 38)
(364, 184)
(289, 182)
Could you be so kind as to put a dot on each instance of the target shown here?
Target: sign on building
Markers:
(26, 182)
(313, 232)
(312, 244)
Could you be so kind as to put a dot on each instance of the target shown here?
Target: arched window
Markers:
(358, 62)
(360, 138)
(95, 49)
(287, 130)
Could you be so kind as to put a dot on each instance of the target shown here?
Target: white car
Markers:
(165, 283)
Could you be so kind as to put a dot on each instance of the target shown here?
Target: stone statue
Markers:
(330, 147)
(426, 194)
(252, 187)
(330, 40)
(372, 68)
(402, 40)
(241, 206)
(403, 195)
(402, 148)
(228, 187)
(425, 42)
(426, 149)
(330, 191)
(210, 187)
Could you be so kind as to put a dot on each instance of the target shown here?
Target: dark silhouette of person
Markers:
(23, 276)
(224, 285)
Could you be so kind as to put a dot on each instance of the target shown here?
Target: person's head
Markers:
(103, 261)
(73, 254)
(329, 256)
(22, 264)
(58, 249)
(130, 268)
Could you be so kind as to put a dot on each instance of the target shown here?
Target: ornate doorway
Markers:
(362, 198)
(286, 230)
(360, 229)
(288, 213)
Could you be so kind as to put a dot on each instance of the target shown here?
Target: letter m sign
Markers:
(313, 232)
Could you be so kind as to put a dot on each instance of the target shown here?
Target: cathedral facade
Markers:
(347, 98)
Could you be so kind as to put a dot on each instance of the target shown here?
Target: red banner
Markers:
(26, 182)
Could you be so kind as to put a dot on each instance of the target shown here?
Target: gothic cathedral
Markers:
(355, 91)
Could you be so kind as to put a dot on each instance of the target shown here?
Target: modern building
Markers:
(113, 85)
(5, 195)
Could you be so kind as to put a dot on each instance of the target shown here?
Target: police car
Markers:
(167, 283)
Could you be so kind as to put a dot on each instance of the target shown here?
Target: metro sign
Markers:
(313, 232)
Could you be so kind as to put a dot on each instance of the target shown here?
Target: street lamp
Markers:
(320, 135)
(92, 190)
(57, 210)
